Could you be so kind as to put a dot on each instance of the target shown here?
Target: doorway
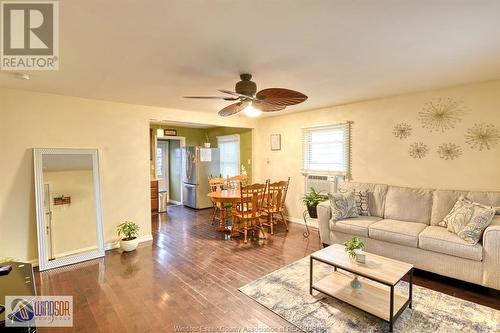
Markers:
(169, 170)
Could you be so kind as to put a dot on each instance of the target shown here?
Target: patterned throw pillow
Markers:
(468, 219)
(361, 201)
(343, 205)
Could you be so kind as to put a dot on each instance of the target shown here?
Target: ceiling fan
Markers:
(253, 102)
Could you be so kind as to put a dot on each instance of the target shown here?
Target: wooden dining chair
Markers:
(247, 214)
(214, 185)
(236, 181)
(275, 203)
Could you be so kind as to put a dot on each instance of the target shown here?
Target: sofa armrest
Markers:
(491, 254)
(324, 216)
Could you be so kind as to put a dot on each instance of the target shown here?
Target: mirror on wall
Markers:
(68, 206)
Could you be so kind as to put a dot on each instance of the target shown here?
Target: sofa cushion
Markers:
(408, 204)
(444, 200)
(397, 232)
(442, 203)
(376, 195)
(486, 198)
(438, 239)
(355, 226)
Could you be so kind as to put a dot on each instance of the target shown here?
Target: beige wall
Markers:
(73, 226)
(377, 156)
(120, 132)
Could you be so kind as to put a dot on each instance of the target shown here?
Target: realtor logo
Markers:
(30, 35)
(39, 311)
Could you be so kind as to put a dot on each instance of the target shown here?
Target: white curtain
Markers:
(229, 147)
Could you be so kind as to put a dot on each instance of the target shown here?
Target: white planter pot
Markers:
(129, 245)
(360, 256)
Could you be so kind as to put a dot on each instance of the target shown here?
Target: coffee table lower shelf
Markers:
(372, 297)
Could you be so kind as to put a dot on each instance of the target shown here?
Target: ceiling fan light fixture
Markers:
(252, 112)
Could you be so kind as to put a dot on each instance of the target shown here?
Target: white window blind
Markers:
(327, 148)
(229, 148)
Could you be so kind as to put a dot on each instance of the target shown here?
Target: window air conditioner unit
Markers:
(322, 183)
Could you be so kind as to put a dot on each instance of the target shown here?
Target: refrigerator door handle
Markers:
(189, 185)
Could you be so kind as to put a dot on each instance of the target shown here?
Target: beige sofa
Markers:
(403, 226)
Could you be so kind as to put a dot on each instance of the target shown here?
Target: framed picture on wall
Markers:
(275, 141)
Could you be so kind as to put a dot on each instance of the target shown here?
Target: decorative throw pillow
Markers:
(361, 201)
(468, 219)
(473, 231)
(343, 205)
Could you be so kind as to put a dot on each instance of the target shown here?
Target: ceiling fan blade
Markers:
(235, 94)
(214, 97)
(280, 96)
(233, 109)
(266, 107)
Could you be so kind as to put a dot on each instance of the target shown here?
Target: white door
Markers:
(162, 167)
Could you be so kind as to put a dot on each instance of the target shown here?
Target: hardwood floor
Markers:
(188, 279)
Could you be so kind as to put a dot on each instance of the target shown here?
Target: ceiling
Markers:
(154, 52)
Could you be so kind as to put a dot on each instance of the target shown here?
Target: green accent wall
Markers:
(175, 184)
(197, 137)
(194, 136)
(245, 143)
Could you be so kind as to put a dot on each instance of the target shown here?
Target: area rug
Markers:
(286, 293)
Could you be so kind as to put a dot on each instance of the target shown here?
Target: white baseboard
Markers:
(115, 245)
(312, 223)
(107, 246)
(174, 202)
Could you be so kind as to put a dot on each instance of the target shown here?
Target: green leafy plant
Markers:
(313, 198)
(128, 229)
(353, 244)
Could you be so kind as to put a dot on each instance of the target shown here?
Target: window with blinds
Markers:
(229, 148)
(327, 149)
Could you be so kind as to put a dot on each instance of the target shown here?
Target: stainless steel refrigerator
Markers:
(201, 163)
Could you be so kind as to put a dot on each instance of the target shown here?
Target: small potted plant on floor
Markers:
(129, 231)
(311, 199)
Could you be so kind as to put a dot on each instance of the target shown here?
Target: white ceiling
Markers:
(154, 52)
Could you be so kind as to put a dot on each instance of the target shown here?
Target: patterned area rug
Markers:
(286, 293)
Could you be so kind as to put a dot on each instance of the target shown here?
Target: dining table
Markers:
(222, 197)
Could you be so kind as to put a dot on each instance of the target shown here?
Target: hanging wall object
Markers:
(275, 141)
(402, 130)
(418, 150)
(449, 151)
(441, 115)
(482, 136)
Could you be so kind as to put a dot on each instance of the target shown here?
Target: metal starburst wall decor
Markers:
(402, 130)
(418, 150)
(449, 151)
(482, 136)
(441, 115)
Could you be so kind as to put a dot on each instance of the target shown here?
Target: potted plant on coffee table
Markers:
(129, 231)
(354, 247)
(311, 199)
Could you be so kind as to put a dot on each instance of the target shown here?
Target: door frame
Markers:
(182, 144)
